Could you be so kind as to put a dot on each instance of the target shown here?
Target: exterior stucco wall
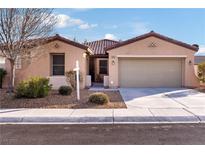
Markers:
(41, 66)
(163, 48)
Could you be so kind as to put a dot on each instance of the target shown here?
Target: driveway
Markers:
(165, 101)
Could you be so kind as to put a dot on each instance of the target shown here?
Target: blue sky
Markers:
(187, 25)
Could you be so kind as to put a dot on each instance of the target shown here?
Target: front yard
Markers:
(55, 100)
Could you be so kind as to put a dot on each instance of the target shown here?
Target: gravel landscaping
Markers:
(55, 100)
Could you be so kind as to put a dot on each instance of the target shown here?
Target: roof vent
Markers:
(151, 31)
(57, 35)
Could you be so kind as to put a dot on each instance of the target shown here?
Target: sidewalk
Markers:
(102, 116)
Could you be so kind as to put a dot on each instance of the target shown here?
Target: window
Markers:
(18, 62)
(58, 64)
(103, 66)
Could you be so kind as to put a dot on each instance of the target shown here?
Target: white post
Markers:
(77, 69)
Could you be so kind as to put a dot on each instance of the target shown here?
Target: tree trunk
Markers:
(12, 76)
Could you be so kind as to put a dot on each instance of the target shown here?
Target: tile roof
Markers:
(63, 39)
(152, 33)
(199, 59)
(98, 47)
(39, 41)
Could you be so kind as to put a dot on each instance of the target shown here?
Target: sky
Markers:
(187, 25)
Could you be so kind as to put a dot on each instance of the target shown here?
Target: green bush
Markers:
(2, 75)
(98, 98)
(65, 90)
(34, 87)
(201, 72)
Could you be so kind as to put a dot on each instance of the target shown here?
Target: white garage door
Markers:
(154, 72)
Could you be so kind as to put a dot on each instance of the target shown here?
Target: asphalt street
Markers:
(140, 134)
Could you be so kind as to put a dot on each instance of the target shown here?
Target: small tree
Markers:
(71, 78)
(19, 28)
(201, 72)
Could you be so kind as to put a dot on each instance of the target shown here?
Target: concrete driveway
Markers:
(165, 101)
(162, 98)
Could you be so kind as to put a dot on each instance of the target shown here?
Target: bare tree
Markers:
(18, 27)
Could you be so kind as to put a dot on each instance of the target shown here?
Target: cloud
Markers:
(87, 26)
(201, 50)
(110, 36)
(67, 21)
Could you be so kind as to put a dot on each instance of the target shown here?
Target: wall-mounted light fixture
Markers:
(113, 60)
(190, 62)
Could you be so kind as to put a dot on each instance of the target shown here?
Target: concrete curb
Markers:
(102, 120)
(99, 116)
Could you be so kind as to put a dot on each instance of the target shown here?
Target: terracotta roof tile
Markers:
(152, 33)
(98, 47)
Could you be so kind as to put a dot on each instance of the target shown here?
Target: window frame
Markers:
(103, 66)
(60, 65)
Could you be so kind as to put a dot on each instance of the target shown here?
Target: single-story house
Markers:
(149, 60)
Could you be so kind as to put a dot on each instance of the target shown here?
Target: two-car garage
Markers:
(151, 61)
(150, 72)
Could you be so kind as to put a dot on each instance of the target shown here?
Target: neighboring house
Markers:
(198, 60)
(149, 60)
(58, 55)
(98, 65)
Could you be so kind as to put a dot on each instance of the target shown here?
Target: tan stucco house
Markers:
(59, 55)
(149, 60)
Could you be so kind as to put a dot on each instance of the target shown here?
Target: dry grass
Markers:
(54, 100)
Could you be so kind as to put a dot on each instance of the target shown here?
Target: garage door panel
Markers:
(150, 72)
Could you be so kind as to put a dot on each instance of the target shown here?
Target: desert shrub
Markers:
(65, 90)
(71, 78)
(201, 72)
(2, 75)
(98, 98)
(34, 87)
